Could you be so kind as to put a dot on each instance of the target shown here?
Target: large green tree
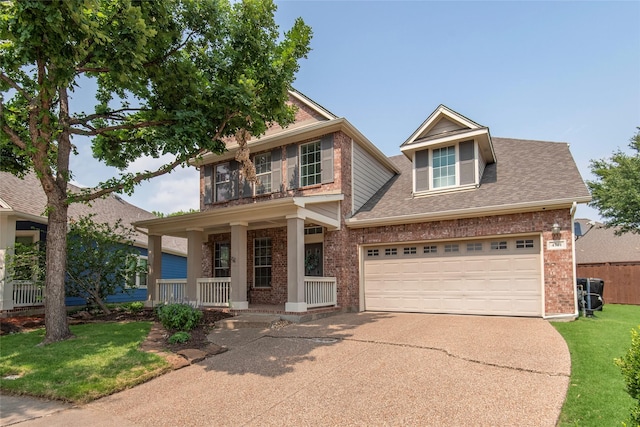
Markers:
(174, 77)
(616, 190)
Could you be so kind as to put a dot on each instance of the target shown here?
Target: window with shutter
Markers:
(445, 168)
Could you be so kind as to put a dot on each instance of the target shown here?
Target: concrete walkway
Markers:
(354, 369)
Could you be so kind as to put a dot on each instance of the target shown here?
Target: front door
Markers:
(313, 259)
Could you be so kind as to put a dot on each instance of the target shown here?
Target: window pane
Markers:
(223, 182)
(262, 262)
(221, 260)
(444, 167)
(310, 167)
(263, 173)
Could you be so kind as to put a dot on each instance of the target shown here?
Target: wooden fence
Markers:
(621, 280)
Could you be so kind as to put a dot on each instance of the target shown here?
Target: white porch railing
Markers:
(26, 293)
(320, 291)
(214, 291)
(171, 290)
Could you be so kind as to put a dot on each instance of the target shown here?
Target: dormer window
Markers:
(445, 168)
(449, 153)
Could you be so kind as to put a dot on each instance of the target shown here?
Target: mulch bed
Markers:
(12, 325)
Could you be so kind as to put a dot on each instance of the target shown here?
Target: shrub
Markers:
(179, 317)
(630, 366)
(179, 337)
(135, 307)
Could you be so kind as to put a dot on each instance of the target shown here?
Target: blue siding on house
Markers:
(173, 267)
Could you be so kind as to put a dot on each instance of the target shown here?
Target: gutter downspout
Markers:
(576, 313)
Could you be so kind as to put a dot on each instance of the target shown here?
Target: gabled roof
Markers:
(447, 126)
(26, 200)
(312, 121)
(600, 245)
(531, 175)
(312, 104)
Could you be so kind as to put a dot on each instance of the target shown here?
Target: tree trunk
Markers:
(55, 312)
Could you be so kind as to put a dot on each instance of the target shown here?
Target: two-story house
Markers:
(460, 222)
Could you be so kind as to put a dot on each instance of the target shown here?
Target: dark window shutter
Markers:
(422, 170)
(234, 170)
(293, 169)
(467, 163)
(326, 148)
(208, 184)
(276, 170)
(246, 189)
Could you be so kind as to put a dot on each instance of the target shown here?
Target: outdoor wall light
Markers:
(555, 228)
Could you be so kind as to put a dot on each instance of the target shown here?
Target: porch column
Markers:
(239, 266)
(154, 262)
(194, 262)
(7, 241)
(295, 265)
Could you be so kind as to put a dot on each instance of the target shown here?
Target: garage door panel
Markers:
(495, 282)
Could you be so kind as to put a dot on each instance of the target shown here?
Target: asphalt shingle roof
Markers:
(599, 245)
(526, 171)
(26, 196)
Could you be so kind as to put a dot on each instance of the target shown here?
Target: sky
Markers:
(565, 71)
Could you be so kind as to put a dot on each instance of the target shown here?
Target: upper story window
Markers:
(444, 167)
(310, 164)
(222, 182)
(262, 163)
(447, 167)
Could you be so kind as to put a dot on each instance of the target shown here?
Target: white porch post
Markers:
(295, 265)
(239, 266)
(154, 262)
(194, 262)
(7, 240)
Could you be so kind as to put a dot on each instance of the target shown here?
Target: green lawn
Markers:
(102, 359)
(597, 395)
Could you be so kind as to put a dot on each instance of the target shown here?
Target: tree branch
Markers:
(138, 178)
(114, 115)
(16, 86)
(13, 136)
(107, 129)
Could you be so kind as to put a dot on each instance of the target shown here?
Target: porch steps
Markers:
(253, 320)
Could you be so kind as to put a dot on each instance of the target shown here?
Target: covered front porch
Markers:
(264, 254)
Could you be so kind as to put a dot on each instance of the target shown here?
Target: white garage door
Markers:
(496, 277)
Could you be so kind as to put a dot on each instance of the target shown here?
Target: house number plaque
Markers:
(555, 245)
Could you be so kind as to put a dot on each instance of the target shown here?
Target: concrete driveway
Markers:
(356, 369)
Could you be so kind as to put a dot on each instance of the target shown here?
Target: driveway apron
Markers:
(360, 369)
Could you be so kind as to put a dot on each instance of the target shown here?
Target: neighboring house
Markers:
(22, 219)
(460, 222)
(615, 259)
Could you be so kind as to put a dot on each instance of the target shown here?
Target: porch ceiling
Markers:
(323, 210)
